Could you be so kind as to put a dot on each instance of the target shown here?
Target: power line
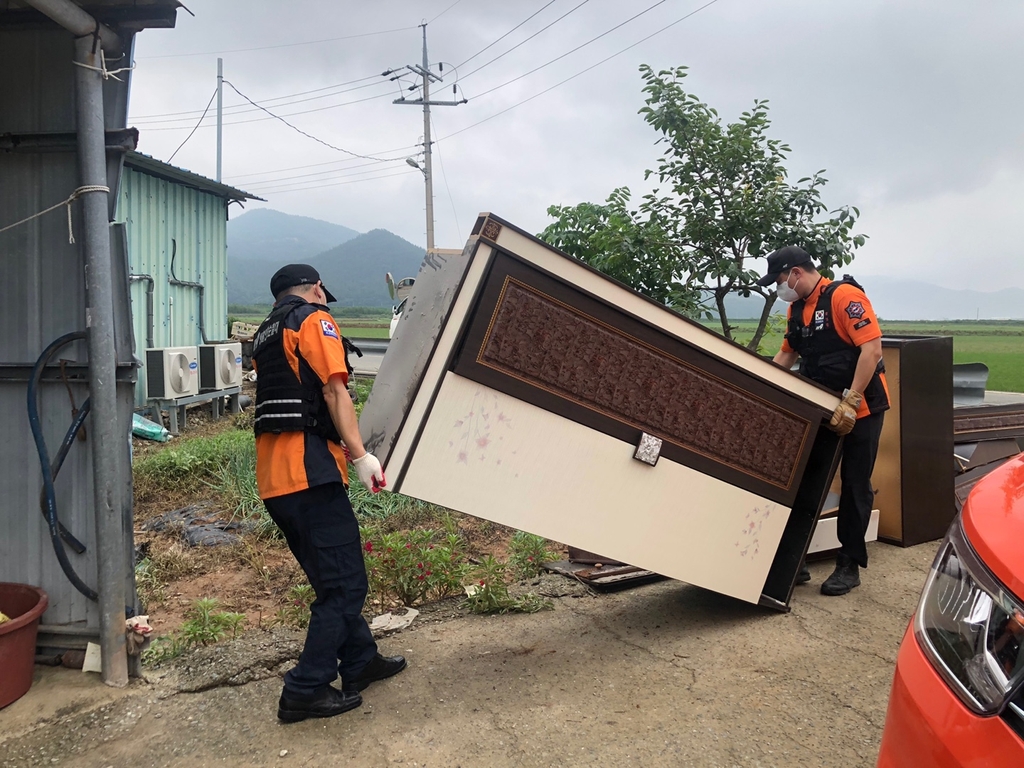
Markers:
(578, 47)
(307, 135)
(451, 200)
(442, 13)
(212, 97)
(282, 45)
(573, 77)
(319, 165)
(282, 184)
(286, 114)
(517, 26)
(572, 10)
(338, 184)
(274, 98)
(308, 176)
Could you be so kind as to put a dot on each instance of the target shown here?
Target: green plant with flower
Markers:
(527, 553)
(489, 592)
(411, 567)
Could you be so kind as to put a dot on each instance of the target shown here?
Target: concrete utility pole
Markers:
(220, 112)
(428, 175)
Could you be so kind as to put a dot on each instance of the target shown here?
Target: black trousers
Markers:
(860, 448)
(323, 534)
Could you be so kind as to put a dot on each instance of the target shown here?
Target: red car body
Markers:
(932, 721)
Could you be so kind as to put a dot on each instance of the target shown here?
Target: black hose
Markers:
(44, 460)
(58, 462)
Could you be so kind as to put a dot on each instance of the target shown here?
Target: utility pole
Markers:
(220, 113)
(423, 71)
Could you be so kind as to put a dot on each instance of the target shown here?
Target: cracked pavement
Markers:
(664, 674)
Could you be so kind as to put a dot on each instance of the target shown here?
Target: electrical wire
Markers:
(482, 66)
(236, 109)
(444, 176)
(283, 45)
(319, 165)
(308, 135)
(334, 173)
(517, 26)
(279, 117)
(578, 74)
(212, 97)
(578, 47)
(338, 184)
(442, 13)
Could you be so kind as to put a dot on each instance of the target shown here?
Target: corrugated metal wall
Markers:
(166, 220)
(42, 296)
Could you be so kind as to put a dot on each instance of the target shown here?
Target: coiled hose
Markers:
(58, 534)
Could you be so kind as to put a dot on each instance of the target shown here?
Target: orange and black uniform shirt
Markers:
(287, 462)
(852, 317)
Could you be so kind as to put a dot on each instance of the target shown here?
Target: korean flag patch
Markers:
(855, 310)
(329, 329)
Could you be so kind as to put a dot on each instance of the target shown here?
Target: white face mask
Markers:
(786, 293)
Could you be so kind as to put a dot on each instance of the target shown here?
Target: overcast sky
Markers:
(913, 107)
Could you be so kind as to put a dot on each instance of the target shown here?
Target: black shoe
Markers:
(803, 576)
(379, 668)
(845, 577)
(327, 703)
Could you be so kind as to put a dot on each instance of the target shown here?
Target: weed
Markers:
(490, 593)
(296, 613)
(204, 624)
(172, 563)
(188, 465)
(526, 553)
(148, 584)
(253, 557)
(411, 567)
(390, 510)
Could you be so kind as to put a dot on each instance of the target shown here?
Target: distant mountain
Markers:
(895, 299)
(353, 270)
(265, 234)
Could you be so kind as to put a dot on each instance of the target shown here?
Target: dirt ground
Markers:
(662, 675)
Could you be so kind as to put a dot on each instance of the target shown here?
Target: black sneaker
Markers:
(803, 576)
(845, 577)
(379, 668)
(326, 703)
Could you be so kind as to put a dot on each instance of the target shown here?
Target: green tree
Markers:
(726, 201)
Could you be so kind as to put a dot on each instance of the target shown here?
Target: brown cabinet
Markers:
(914, 472)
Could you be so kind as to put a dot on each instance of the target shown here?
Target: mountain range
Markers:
(353, 264)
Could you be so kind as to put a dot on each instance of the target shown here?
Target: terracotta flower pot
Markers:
(24, 605)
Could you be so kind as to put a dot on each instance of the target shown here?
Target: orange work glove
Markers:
(845, 415)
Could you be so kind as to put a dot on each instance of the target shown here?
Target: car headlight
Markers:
(971, 627)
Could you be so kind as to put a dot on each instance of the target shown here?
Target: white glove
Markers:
(370, 472)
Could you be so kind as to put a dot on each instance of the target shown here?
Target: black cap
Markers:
(783, 259)
(291, 275)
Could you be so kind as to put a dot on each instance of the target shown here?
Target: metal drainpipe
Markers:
(99, 321)
(149, 305)
(173, 280)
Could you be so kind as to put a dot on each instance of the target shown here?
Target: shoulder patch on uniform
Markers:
(329, 329)
(865, 322)
(855, 310)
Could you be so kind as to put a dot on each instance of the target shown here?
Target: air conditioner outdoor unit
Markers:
(220, 366)
(172, 372)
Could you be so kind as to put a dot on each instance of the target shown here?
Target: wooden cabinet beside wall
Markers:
(913, 474)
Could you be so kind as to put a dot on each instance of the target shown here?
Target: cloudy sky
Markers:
(913, 107)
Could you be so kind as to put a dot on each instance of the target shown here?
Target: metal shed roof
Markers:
(162, 170)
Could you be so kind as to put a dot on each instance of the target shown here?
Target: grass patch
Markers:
(189, 465)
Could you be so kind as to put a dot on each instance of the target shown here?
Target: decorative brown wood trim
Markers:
(540, 340)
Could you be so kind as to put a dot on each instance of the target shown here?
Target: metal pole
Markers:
(220, 112)
(99, 321)
(78, 22)
(427, 168)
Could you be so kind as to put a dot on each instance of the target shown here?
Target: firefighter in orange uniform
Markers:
(305, 420)
(833, 331)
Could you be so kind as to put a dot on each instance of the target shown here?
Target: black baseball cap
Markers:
(783, 259)
(291, 275)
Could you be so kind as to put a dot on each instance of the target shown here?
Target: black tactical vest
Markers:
(824, 356)
(285, 403)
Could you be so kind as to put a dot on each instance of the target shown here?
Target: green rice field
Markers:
(999, 345)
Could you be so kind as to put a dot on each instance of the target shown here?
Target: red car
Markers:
(958, 695)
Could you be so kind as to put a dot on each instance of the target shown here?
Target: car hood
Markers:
(993, 519)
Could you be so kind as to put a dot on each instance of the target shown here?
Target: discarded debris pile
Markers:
(986, 437)
(200, 525)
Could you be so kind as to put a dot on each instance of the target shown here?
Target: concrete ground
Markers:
(662, 675)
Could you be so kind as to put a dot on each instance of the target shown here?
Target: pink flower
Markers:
(368, 546)
(482, 441)
(463, 457)
(482, 583)
(420, 566)
(428, 573)
(420, 577)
